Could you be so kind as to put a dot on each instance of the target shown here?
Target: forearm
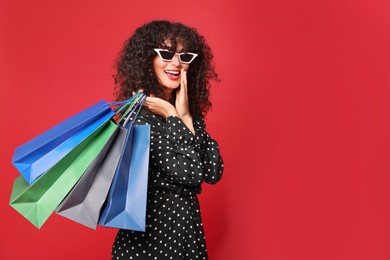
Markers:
(209, 151)
(173, 153)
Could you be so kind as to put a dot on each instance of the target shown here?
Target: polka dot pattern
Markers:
(179, 163)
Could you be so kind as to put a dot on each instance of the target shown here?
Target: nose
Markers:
(176, 60)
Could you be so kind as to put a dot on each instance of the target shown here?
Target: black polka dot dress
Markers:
(179, 163)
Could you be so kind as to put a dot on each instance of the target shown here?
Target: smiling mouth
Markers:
(172, 74)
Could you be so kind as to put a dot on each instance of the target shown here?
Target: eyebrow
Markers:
(175, 51)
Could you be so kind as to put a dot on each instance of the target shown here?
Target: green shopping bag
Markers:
(37, 201)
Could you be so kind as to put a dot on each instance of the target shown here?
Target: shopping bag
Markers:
(37, 201)
(125, 206)
(38, 155)
(84, 202)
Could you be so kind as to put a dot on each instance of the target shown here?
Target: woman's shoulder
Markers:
(149, 119)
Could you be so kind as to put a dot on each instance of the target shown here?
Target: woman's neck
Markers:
(168, 94)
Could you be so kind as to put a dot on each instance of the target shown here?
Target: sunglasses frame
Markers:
(194, 55)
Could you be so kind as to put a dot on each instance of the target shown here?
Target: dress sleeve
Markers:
(177, 154)
(208, 149)
(172, 151)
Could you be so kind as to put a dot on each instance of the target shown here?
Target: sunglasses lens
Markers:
(186, 57)
(167, 55)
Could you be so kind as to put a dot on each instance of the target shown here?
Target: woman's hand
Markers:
(160, 106)
(181, 102)
(165, 109)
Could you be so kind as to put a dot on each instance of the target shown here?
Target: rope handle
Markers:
(135, 109)
(128, 106)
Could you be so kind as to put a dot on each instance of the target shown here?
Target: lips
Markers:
(172, 74)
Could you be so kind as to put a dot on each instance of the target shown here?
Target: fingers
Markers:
(183, 78)
(151, 101)
(148, 100)
(182, 90)
(139, 90)
(160, 106)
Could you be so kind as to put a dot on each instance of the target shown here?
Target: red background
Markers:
(301, 115)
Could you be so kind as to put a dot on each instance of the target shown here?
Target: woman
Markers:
(171, 63)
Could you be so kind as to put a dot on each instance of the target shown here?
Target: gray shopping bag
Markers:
(84, 202)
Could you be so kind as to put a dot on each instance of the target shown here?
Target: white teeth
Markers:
(172, 72)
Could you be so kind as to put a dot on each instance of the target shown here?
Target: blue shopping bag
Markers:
(38, 155)
(125, 206)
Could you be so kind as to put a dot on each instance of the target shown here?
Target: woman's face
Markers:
(169, 72)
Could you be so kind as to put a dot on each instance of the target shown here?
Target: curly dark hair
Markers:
(134, 64)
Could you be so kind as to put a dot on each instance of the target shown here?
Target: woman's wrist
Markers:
(171, 112)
